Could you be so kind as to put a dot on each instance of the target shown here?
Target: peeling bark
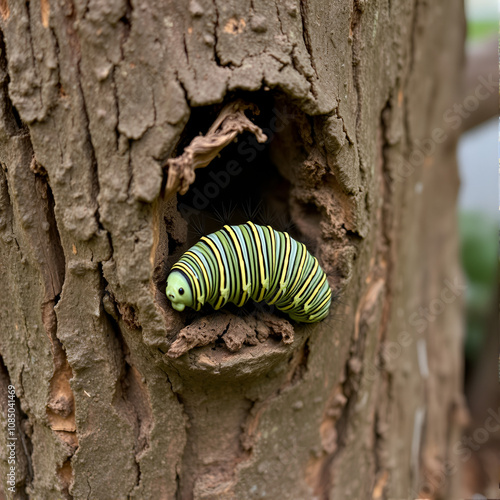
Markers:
(119, 396)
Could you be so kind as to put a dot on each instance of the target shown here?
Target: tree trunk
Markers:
(355, 99)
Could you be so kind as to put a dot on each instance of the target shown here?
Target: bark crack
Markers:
(308, 46)
(216, 38)
(24, 466)
(184, 44)
(347, 399)
(356, 59)
(33, 58)
(336, 112)
(12, 123)
(413, 49)
(60, 406)
(115, 96)
(179, 477)
(387, 257)
(131, 388)
(307, 39)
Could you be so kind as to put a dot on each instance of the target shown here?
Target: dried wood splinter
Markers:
(231, 122)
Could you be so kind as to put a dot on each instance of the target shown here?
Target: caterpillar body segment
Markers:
(239, 263)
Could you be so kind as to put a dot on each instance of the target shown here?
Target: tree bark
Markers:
(95, 97)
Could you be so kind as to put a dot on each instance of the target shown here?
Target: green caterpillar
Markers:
(245, 262)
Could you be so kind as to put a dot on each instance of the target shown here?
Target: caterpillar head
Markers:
(179, 291)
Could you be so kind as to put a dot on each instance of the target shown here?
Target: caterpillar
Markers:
(238, 263)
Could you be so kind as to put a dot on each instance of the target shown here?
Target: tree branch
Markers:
(482, 65)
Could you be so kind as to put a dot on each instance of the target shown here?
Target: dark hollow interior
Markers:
(242, 183)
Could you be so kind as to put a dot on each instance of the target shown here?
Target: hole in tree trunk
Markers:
(248, 180)
(244, 182)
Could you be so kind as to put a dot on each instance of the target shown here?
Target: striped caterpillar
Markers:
(245, 262)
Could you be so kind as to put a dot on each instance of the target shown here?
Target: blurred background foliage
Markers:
(478, 209)
(479, 245)
(481, 28)
(478, 204)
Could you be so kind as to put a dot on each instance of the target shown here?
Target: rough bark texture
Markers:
(95, 97)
